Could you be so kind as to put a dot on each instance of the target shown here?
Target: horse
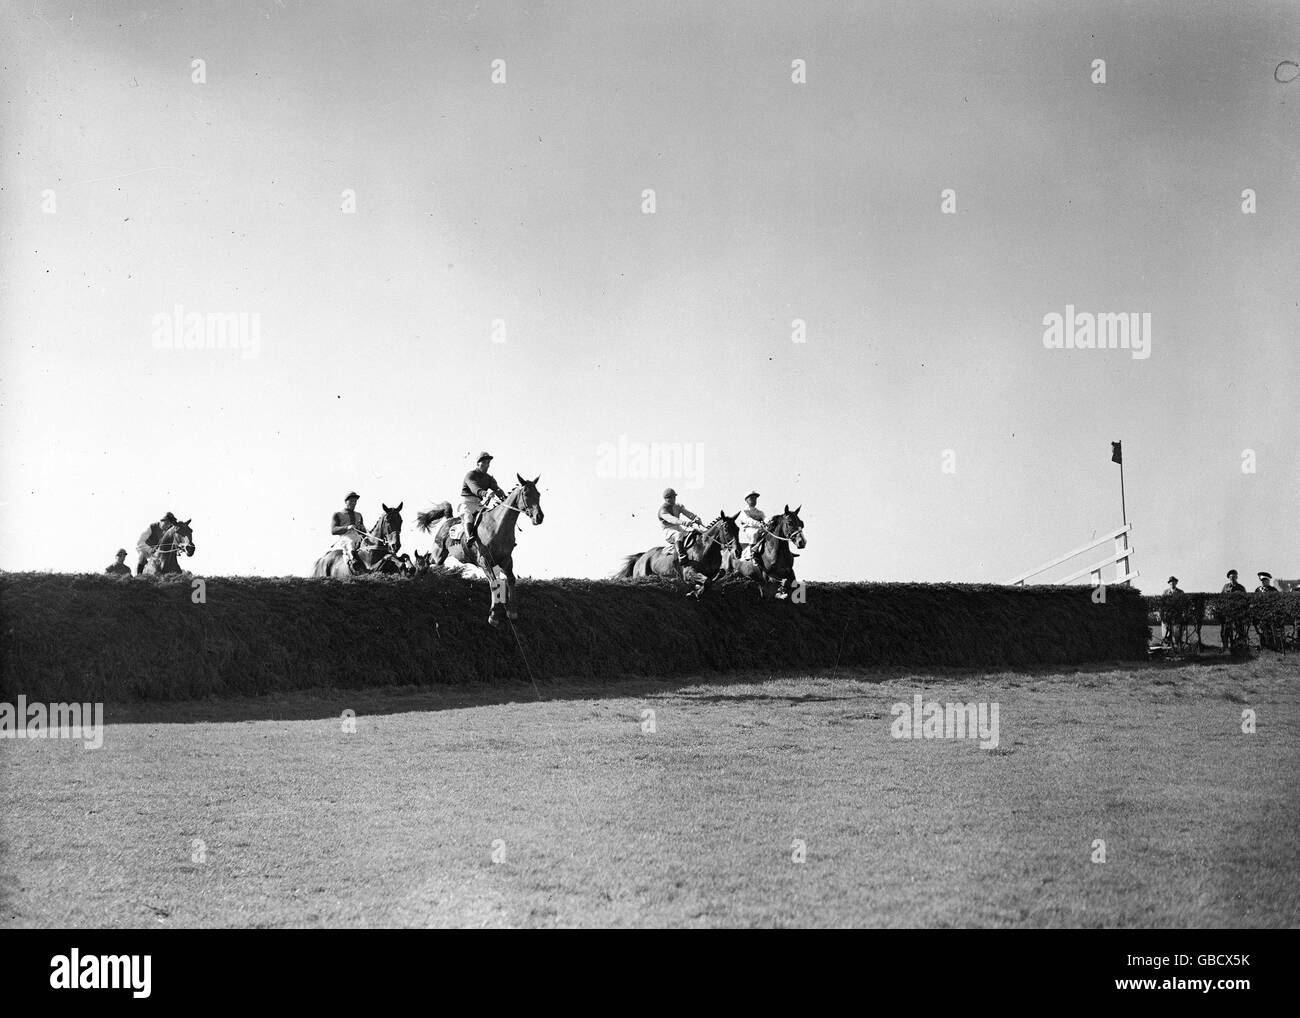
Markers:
(495, 529)
(704, 558)
(776, 559)
(175, 539)
(375, 553)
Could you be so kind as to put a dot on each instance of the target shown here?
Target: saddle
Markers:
(456, 532)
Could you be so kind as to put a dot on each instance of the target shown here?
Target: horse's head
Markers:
(178, 538)
(423, 563)
(789, 525)
(531, 499)
(390, 526)
(727, 533)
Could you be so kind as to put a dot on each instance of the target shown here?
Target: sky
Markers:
(503, 283)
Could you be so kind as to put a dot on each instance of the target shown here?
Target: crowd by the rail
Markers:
(1275, 619)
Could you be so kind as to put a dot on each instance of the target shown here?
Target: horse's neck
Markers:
(502, 519)
(782, 543)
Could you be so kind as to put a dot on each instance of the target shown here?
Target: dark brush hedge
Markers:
(1275, 617)
(89, 637)
(1279, 609)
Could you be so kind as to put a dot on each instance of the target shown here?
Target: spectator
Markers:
(1230, 630)
(1268, 634)
(1172, 616)
(119, 568)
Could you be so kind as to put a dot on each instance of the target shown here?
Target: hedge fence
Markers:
(1275, 617)
(90, 637)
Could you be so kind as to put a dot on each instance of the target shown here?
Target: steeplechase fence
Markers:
(79, 637)
(1274, 619)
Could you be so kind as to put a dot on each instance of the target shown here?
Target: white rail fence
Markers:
(1121, 560)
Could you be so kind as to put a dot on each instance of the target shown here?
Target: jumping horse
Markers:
(494, 550)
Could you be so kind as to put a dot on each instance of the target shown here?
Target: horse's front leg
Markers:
(508, 566)
(497, 587)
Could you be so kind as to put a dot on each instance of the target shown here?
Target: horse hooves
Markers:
(493, 620)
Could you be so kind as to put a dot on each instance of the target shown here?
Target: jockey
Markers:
(150, 539)
(347, 525)
(478, 484)
(677, 535)
(753, 522)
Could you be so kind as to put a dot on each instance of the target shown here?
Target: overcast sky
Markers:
(129, 189)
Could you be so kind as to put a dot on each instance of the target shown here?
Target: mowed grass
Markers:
(603, 824)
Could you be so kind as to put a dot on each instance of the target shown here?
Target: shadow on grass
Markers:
(324, 703)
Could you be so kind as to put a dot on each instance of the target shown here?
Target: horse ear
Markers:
(787, 507)
(386, 509)
(797, 508)
(536, 479)
(733, 518)
(187, 522)
(399, 506)
(520, 479)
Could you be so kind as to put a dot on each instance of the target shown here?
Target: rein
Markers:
(711, 538)
(508, 505)
(774, 535)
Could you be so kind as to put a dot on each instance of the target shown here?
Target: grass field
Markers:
(596, 822)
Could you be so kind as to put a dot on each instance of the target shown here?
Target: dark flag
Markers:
(1116, 453)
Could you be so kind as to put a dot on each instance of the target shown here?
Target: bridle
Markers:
(730, 544)
(509, 504)
(172, 542)
(387, 534)
(792, 538)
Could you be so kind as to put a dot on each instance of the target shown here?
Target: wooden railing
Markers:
(1121, 559)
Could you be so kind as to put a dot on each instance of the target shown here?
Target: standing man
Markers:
(1267, 632)
(1230, 630)
(478, 484)
(119, 568)
(1172, 620)
(347, 524)
(678, 535)
(752, 521)
(150, 539)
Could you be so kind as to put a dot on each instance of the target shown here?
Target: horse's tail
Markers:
(429, 517)
(625, 570)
